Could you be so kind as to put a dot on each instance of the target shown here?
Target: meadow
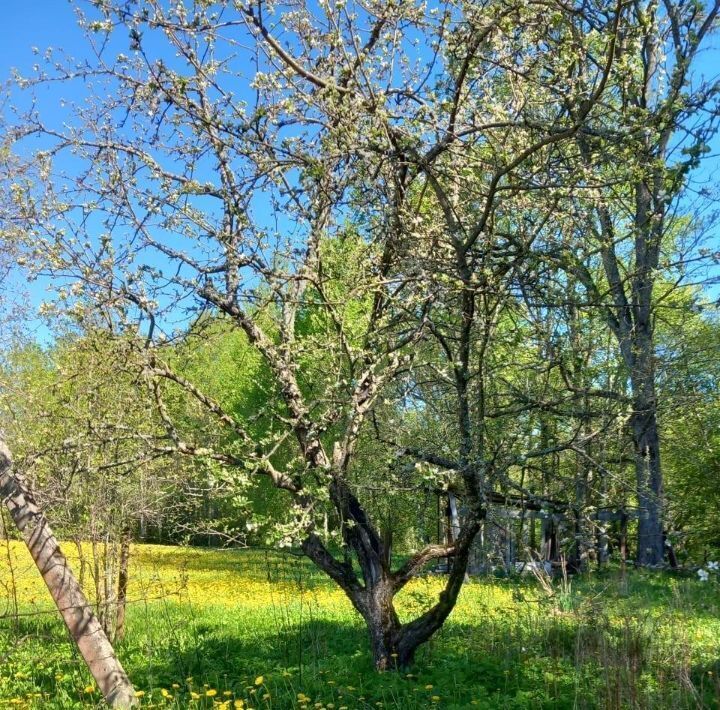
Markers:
(253, 629)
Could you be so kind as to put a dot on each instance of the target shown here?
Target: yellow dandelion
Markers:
(89, 689)
(259, 680)
(139, 693)
(211, 692)
(429, 686)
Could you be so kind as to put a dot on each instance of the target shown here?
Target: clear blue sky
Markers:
(53, 23)
(26, 24)
(39, 23)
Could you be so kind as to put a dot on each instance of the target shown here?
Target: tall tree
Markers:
(194, 185)
(638, 159)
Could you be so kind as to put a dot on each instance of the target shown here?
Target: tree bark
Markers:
(649, 485)
(123, 577)
(393, 644)
(83, 625)
(648, 471)
(384, 627)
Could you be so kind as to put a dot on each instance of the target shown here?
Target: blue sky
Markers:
(27, 24)
(40, 24)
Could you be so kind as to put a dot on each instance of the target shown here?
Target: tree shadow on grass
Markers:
(559, 660)
(329, 661)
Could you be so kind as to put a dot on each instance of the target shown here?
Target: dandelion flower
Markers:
(259, 680)
(211, 692)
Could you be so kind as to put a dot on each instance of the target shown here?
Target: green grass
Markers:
(225, 618)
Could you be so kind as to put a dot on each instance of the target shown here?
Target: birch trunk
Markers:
(83, 625)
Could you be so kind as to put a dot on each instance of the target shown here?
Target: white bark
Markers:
(83, 625)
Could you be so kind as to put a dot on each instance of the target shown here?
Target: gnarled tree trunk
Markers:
(74, 608)
(393, 644)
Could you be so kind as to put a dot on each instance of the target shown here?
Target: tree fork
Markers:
(81, 622)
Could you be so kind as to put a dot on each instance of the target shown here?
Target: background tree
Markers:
(87, 445)
(637, 161)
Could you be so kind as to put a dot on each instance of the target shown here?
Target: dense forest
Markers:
(403, 288)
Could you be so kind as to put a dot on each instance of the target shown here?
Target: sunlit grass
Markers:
(250, 629)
